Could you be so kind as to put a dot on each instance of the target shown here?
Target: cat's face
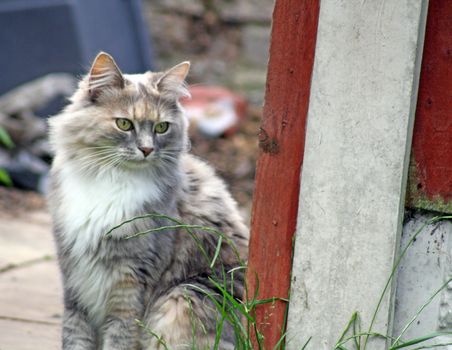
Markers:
(123, 121)
(136, 126)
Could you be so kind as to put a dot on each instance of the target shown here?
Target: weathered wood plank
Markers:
(281, 141)
(430, 182)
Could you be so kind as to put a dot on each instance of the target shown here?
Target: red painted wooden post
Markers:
(281, 141)
(431, 169)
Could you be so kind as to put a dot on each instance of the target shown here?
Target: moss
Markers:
(416, 197)
(436, 204)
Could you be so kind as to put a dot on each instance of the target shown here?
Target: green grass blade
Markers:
(156, 229)
(284, 324)
(432, 346)
(146, 216)
(231, 316)
(5, 139)
(237, 305)
(357, 324)
(421, 309)
(280, 341)
(347, 328)
(340, 348)
(393, 271)
(359, 335)
(419, 340)
(306, 344)
(5, 179)
(217, 251)
(160, 340)
(180, 225)
(269, 301)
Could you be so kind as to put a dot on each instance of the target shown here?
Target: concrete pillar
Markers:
(426, 266)
(358, 137)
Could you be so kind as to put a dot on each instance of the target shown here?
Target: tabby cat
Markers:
(121, 151)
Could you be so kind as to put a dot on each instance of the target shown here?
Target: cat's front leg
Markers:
(120, 334)
(77, 333)
(125, 306)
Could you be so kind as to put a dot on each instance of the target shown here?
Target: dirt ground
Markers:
(234, 157)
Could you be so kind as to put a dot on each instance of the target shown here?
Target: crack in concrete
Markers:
(18, 319)
(27, 263)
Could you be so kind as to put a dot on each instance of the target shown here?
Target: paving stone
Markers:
(16, 335)
(25, 238)
(32, 293)
(30, 288)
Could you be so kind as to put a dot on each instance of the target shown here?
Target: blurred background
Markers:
(46, 45)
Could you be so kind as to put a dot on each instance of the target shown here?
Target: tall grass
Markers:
(240, 314)
(360, 339)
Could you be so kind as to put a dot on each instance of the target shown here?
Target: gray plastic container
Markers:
(38, 37)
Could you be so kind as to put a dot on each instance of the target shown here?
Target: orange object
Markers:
(216, 108)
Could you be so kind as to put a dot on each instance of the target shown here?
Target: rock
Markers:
(246, 11)
(35, 94)
(26, 163)
(255, 44)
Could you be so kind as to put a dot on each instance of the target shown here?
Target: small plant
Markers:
(240, 313)
(6, 141)
(359, 339)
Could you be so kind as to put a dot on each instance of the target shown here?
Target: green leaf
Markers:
(420, 340)
(5, 179)
(442, 345)
(421, 309)
(306, 344)
(5, 139)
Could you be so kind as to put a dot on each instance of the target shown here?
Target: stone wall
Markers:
(226, 40)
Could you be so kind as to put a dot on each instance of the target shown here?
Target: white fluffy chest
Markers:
(90, 207)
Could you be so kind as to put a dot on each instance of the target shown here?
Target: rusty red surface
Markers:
(281, 140)
(431, 182)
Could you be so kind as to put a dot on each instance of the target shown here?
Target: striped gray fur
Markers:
(99, 179)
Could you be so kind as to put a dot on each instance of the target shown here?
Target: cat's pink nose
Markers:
(146, 150)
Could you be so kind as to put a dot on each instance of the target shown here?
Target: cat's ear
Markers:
(104, 73)
(172, 82)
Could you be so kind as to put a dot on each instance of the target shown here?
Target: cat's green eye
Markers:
(124, 124)
(161, 128)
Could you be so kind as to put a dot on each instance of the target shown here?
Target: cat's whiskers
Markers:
(113, 162)
(168, 153)
(93, 158)
(97, 161)
(98, 148)
(168, 160)
(172, 150)
(96, 154)
(104, 146)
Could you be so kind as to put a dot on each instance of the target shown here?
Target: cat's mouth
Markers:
(137, 163)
